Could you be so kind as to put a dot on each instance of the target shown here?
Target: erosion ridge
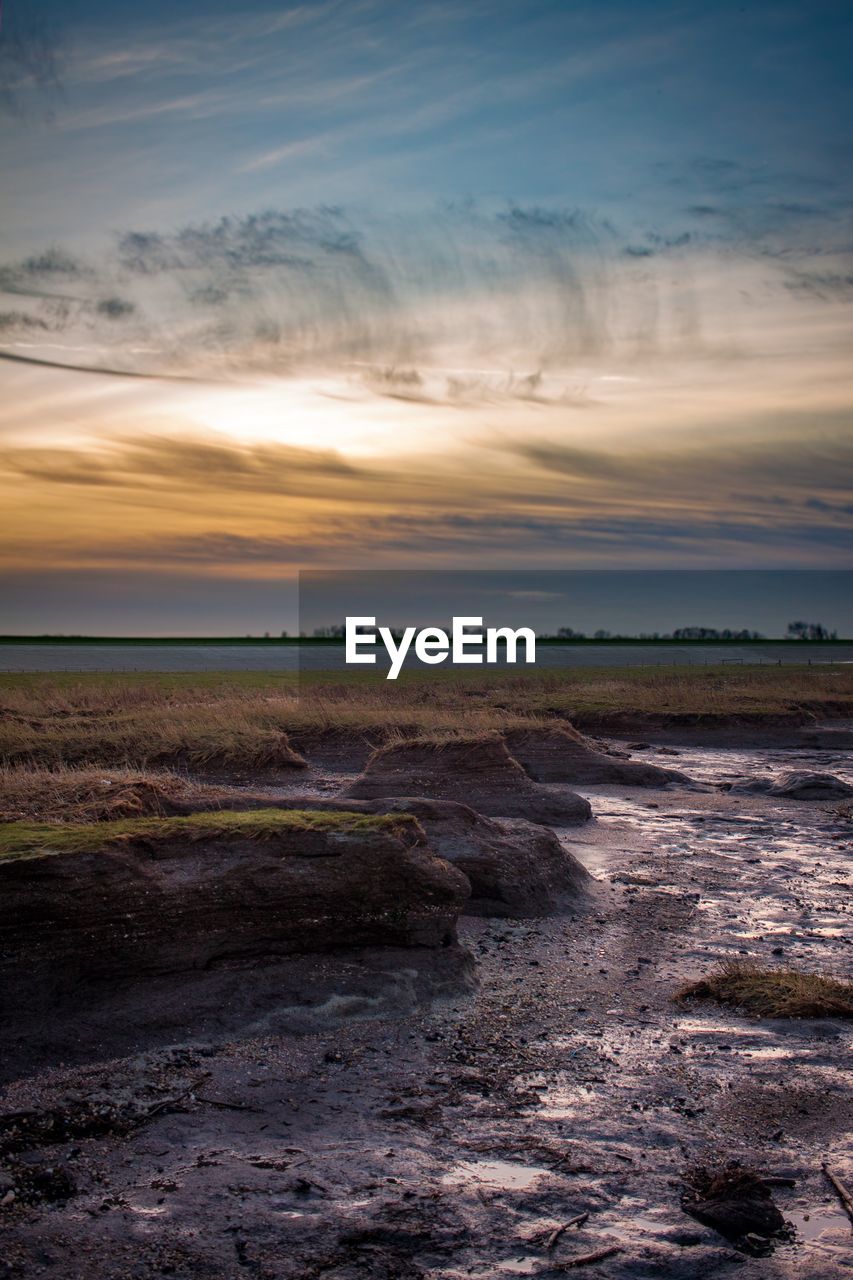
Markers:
(478, 771)
(515, 868)
(561, 754)
(121, 901)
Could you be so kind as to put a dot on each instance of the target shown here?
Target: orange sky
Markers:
(535, 285)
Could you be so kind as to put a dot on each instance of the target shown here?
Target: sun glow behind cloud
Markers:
(315, 414)
(309, 343)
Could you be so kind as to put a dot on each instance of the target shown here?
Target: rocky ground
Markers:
(539, 1124)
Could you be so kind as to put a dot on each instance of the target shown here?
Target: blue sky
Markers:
(493, 284)
(641, 111)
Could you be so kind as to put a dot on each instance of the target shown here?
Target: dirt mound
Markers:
(515, 867)
(118, 901)
(260, 755)
(338, 750)
(479, 772)
(811, 786)
(734, 1201)
(795, 786)
(747, 786)
(564, 755)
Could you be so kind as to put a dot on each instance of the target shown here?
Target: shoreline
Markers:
(455, 1139)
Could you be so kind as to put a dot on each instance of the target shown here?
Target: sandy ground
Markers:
(453, 1141)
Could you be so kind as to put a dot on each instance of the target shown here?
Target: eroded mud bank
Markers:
(455, 1141)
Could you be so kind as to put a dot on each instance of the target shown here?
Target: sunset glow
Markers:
(422, 327)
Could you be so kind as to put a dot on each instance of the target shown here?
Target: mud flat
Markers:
(540, 1123)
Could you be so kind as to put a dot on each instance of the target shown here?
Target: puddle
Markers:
(717, 764)
(503, 1175)
(636, 1223)
(825, 1225)
(524, 1265)
(782, 877)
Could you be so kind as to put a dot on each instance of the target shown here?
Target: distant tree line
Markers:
(680, 633)
(809, 631)
(795, 631)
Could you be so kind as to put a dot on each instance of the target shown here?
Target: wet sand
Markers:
(454, 1141)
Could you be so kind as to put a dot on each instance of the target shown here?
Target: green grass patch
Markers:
(44, 839)
(773, 992)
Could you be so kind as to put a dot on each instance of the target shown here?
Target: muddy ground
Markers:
(454, 1140)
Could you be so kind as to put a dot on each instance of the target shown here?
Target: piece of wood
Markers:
(841, 1191)
(586, 1258)
(558, 1231)
(173, 1101)
(227, 1106)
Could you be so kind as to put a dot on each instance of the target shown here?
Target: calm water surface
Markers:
(225, 657)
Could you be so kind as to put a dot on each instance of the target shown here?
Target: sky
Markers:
(495, 285)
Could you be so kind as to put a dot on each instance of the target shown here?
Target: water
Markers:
(293, 657)
(504, 1175)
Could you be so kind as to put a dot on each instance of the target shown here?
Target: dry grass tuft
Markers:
(773, 992)
(440, 740)
(221, 735)
(84, 794)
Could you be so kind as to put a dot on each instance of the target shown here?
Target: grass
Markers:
(244, 719)
(693, 689)
(41, 839)
(773, 992)
(220, 734)
(223, 717)
(72, 793)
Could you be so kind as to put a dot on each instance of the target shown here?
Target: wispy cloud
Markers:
(271, 159)
(419, 305)
(32, 56)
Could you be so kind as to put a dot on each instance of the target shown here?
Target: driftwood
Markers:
(573, 1222)
(226, 1106)
(175, 1099)
(586, 1258)
(841, 1191)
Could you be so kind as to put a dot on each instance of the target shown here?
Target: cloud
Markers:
(477, 300)
(490, 299)
(188, 464)
(222, 504)
(828, 285)
(785, 451)
(288, 151)
(32, 54)
(29, 322)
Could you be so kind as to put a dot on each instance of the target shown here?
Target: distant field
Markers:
(244, 717)
(97, 747)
